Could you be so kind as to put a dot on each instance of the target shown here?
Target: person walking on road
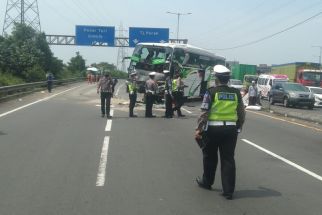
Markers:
(252, 94)
(151, 88)
(104, 87)
(178, 94)
(222, 117)
(132, 88)
(168, 95)
(50, 78)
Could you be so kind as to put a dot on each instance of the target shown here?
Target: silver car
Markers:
(317, 91)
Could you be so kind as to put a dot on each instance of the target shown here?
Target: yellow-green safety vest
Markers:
(174, 85)
(224, 107)
(132, 87)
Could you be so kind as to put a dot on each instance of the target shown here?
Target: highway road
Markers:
(58, 156)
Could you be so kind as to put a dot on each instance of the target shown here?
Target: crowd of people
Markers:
(222, 118)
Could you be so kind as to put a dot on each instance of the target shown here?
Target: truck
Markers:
(239, 71)
(305, 73)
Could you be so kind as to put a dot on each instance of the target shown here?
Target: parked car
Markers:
(317, 91)
(291, 94)
(236, 84)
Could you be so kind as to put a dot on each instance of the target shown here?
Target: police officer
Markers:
(104, 87)
(132, 88)
(218, 126)
(151, 88)
(49, 77)
(168, 95)
(178, 94)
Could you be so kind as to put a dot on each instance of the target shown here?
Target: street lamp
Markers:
(178, 14)
(320, 47)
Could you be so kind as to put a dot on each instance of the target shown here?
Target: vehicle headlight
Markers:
(294, 95)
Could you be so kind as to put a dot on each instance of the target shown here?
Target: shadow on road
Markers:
(262, 192)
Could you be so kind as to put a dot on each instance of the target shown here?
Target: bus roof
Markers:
(190, 48)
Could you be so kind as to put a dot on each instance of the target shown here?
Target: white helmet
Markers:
(220, 70)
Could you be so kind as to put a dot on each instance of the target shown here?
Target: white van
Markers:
(265, 82)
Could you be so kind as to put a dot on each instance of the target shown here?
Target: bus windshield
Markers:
(150, 58)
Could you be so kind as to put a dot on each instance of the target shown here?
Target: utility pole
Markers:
(122, 52)
(23, 12)
(178, 22)
(320, 47)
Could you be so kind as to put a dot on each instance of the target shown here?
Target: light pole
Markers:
(178, 24)
(320, 47)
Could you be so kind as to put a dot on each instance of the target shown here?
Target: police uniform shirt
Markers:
(208, 100)
(168, 85)
(151, 86)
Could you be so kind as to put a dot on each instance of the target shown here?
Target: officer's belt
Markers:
(220, 123)
(150, 92)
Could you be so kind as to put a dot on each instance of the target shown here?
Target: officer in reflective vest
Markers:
(178, 94)
(168, 95)
(222, 118)
(132, 88)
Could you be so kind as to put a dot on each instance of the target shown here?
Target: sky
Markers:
(213, 24)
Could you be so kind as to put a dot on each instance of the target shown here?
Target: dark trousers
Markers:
(132, 103)
(252, 100)
(178, 101)
(106, 102)
(149, 100)
(168, 106)
(49, 86)
(223, 138)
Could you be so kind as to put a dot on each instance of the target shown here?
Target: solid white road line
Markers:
(32, 103)
(186, 110)
(100, 181)
(112, 112)
(284, 160)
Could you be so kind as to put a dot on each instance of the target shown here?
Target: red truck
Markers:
(308, 74)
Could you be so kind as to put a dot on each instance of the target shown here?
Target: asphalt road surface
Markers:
(58, 156)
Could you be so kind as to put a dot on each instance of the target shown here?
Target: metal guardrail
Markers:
(8, 92)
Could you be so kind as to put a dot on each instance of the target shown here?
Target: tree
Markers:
(110, 68)
(77, 64)
(26, 54)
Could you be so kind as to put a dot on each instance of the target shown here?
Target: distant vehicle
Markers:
(239, 71)
(317, 91)
(192, 63)
(236, 84)
(265, 83)
(248, 80)
(308, 74)
(291, 94)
